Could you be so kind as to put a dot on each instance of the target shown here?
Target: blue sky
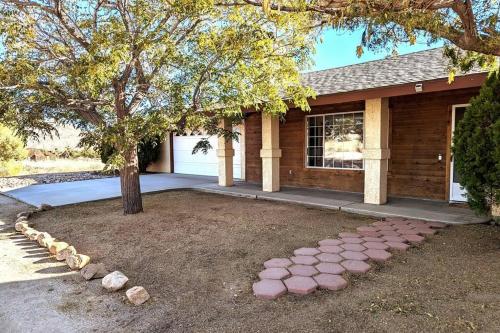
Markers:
(339, 49)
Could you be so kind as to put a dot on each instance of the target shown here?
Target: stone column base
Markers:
(225, 157)
(270, 169)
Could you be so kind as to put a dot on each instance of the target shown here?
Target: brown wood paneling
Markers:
(253, 144)
(292, 143)
(293, 171)
(419, 133)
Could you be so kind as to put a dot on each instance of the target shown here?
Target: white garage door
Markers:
(200, 163)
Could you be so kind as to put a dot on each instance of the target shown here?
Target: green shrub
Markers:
(10, 168)
(148, 151)
(11, 152)
(476, 147)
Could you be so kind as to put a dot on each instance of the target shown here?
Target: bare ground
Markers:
(198, 255)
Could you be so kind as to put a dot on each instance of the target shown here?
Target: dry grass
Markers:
(198, 255)
(61, 165)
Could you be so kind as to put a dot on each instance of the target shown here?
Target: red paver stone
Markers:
(349, 235)
(301, 285)
(274, 273)
(358, 229)
(386, 227)
(399, 223)
(405, 227)
(373, 239)
(356, 266)
(303, 270)
(398, 246)
(378, 255)
(389, 233)
(394, 239)
(353, 247)
(416, 239)
(354, 255)
(268, 289)
(331, 249)
(408, 231)
(306, 251)
(304, 260)
(329, 257)
(330, 281)
(278, 262)
(417, 223)
(330, 268)
(369, 233)
(375, 245)
(330, 242)
(425, 231)
(352, 240)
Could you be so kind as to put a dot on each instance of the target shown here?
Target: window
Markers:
(335, 141)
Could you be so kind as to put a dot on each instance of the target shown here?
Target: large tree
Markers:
(128, 70)
(473, 26)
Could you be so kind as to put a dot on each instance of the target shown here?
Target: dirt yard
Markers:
(198, 254)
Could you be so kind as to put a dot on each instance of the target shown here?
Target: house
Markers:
(382, 128)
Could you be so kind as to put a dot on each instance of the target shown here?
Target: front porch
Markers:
(428, 210)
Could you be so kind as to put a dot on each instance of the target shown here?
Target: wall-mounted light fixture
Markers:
(419, 87)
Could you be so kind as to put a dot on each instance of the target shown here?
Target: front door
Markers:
(457, 193)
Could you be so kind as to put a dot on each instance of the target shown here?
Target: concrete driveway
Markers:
(59, 194)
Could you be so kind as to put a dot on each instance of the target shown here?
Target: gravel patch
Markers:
(10, 183)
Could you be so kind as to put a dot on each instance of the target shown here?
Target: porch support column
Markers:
(270, 153)
(164, 162)
(225, 153)
(376, 153)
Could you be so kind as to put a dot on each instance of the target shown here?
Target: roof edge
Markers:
(474, 80)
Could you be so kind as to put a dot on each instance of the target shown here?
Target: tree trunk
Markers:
(129, 180)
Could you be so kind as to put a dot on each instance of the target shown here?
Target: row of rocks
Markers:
(62, 251)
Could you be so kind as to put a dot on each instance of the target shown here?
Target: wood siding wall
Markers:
(253, 144)
(420, 126)
(420, 131)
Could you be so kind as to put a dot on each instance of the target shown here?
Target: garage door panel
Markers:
(200, 163)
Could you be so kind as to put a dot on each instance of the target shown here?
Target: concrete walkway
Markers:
(60, 194)
(427, 210)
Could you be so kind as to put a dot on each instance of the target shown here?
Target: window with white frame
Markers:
(335, 140)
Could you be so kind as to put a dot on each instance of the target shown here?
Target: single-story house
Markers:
(382, 128)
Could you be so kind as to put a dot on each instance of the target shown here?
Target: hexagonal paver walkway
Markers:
(329, 265)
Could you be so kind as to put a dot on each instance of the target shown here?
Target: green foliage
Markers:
(469, 25)
(10, 168)
(124, 73)
(476, 147)
(11, 152)
(148, 151)
(11, 146)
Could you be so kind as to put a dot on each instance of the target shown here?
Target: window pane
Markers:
(357, 164)
(315, 141)
(342, 144)
(329, 120)
(347, 164)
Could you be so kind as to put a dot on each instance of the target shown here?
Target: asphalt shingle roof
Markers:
(409, 68)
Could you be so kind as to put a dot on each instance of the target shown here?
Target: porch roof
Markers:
(414, 67)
